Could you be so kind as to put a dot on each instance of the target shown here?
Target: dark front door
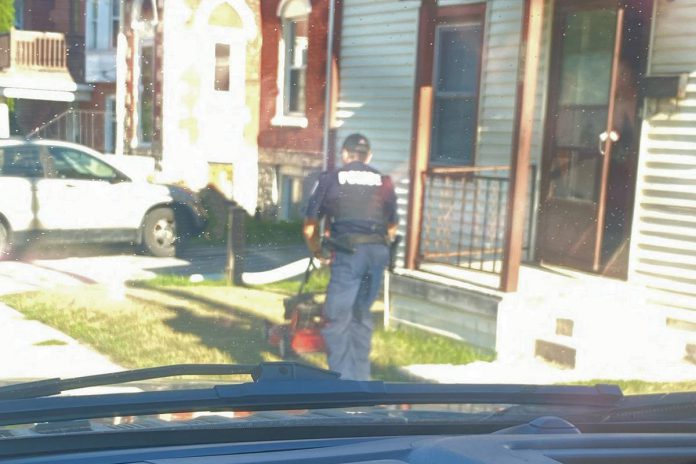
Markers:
(591, 145)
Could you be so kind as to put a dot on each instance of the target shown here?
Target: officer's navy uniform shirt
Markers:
(356, 198)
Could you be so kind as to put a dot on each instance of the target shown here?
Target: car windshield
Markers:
(486, 193)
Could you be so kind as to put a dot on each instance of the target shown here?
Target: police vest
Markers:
(361, 198)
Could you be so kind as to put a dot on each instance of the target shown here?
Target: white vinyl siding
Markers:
(499, 83)
(663, 251)
(377, 78)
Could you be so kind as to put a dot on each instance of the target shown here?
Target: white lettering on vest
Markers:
(359, 178)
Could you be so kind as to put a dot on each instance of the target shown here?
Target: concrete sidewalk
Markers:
(538, 372)
(23, 357)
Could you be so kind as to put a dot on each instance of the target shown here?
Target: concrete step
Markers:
(556, 352)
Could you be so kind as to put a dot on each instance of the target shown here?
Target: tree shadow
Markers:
(240, 337)
(226, 328)
(240, 333)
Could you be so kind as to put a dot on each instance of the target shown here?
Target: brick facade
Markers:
(295, 151)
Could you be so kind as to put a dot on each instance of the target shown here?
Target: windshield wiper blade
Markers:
(56, 386)
(289, 386)
(654, 407)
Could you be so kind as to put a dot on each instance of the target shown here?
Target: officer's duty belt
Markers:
(363, 239)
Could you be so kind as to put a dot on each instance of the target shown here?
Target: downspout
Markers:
(328, 103)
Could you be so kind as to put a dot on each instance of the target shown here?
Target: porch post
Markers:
(530, 48)
(421, 125)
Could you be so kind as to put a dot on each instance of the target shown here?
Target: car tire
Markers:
(160, 233)
(5, 241)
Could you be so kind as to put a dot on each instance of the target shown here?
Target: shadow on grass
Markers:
(219, 326)
(240, 333)
(240, 336)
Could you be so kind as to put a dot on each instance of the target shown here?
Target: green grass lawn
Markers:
(164, 323)
(634, 387)
(170, 320)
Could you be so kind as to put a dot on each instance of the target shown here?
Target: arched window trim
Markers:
(294, 9)
(144, 28)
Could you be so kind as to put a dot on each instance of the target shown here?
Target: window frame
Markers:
(145, 41)
(283, 116)
(92, 29)
(19, 14)
(216, 66)
(114, 22)
(444, 24)
(110, 123)
(102, 17)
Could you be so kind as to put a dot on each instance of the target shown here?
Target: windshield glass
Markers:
(435, 192)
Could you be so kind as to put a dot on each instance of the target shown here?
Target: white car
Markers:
(65, 192)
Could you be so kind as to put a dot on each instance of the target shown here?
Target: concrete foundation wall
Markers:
(446, 309)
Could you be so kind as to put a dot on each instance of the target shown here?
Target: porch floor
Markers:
(533, 278)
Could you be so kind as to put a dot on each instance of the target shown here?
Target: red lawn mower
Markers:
(302, 331)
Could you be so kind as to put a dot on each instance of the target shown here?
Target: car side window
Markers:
(21, 162)
(66, 163)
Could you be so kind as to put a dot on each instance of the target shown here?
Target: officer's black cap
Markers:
(357, 143)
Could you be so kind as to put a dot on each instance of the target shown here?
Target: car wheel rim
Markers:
(164, 233)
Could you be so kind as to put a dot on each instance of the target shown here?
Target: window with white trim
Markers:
(92, 33)
(292, 63)
(222, 67)
(110, 124)
(115, 21)
(102, 19)
(146, 91)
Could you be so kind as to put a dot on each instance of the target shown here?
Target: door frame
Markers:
(549, 124)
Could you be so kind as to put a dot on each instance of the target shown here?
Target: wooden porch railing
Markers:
(464, 217)
(33, 50)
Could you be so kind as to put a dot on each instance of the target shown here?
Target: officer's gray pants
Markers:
(354, 285)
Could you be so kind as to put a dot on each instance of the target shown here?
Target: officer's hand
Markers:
(323, 257)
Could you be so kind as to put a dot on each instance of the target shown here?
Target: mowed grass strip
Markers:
(636, 387)
(167, 324)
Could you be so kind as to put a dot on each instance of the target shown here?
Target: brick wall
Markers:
(307, 140)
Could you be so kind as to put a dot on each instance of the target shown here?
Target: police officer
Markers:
(360, 205)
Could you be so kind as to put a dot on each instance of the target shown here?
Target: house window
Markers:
(292, 68)
(92, 39)
(222, 67)
(110, 124)
(290, 197)
(115, 21)
(19, 14)
(146, 91)
(103, 18)
(456, 72)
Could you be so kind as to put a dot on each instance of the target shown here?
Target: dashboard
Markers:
(563, 448)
